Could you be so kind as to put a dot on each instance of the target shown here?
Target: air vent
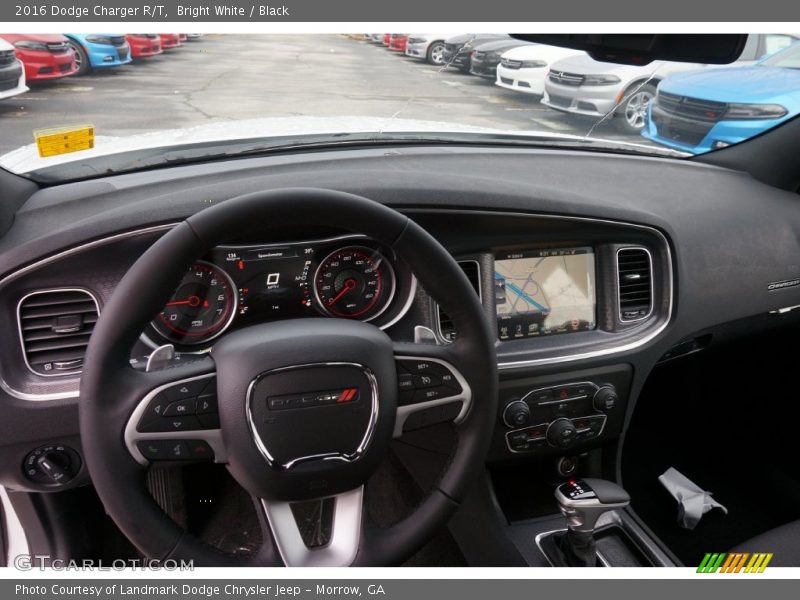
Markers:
(472, 270)
(635, 277)
(54, 328)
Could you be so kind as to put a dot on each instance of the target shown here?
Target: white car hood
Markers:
(26, 158)
(540, 52)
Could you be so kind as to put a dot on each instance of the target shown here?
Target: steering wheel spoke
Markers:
(177, 417)
(325, 532)
(431, 389)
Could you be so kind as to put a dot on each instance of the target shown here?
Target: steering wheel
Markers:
(280, 456)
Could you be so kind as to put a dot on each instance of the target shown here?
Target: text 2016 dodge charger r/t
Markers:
(12, 74)
(99, 50)
(700, 111)
(328, 338)
(43, 56)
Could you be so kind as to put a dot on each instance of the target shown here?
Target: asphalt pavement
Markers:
(228, 77)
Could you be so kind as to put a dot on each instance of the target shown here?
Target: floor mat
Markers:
(733, 436)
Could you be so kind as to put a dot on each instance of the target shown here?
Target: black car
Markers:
(457, 49)
(485, 57)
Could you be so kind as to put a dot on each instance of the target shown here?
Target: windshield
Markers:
(786, 59)
(74, 106)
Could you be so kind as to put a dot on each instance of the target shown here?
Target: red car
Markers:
(398, 42)
(387, 37)
(169, 40)
(144, 44)
(44, 56)
(183, 37)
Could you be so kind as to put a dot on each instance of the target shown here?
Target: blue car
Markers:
(99, 50)
(708, 109)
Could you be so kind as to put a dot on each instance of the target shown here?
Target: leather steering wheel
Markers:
(276, 456)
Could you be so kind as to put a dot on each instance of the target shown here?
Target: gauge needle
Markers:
(348, 285)
(191, 301)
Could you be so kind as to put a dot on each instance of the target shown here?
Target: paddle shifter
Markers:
(582, 501)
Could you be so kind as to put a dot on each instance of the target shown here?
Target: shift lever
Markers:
(582, 501)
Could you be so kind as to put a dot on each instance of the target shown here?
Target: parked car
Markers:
(387, 37)
(426, 46)
(398, 42)
(44, 56)
(457, 49)
(169, 40)
(581, 85)
(99, 50)
(12, 74)
(183, 37)
(524, 69)
(193, 37)
(485, 57)
(710, 109)
(144, 44)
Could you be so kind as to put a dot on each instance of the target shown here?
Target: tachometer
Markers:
(354, 283)
(201, 308)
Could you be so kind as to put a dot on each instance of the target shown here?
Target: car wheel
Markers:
(436, 53)
(632, 113)
(81, 59)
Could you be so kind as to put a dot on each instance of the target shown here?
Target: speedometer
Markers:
(355, 282)
(201, 308)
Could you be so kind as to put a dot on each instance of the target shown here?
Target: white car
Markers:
(524, 69)
(12, 74)
(427, 46)
(583, 86)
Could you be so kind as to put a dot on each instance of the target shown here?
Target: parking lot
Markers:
(219, 78)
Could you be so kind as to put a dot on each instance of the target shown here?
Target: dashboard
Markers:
(588, 279)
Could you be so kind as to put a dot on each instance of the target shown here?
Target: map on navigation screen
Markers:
(543, 292)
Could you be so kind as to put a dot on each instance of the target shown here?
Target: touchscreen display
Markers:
(544, 292)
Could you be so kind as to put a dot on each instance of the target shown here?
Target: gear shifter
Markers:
(582, 501)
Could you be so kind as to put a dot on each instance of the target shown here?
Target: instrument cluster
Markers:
(349, 277)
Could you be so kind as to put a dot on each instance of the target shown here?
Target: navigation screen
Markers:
(544, 292)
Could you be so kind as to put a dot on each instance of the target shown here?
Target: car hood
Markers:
(736, 84)
(540, 52)
(499, 45)
(34, 37)
(585, 65)
(27, 159)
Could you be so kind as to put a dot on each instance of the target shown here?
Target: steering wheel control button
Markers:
(175, 450)
(432, 416)
(207, 403)
(182, 391)
(170, 424)
(52, 465)
(181, 408)
(424, 380)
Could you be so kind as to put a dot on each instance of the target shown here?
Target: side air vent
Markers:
(635, 279)
(472, 270)
(54, 328)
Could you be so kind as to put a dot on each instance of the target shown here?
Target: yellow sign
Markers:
(61, 140)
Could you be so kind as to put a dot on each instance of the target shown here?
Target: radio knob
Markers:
(561, 433)
(517, 414)
(605, 398)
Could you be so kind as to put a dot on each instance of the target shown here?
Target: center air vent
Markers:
(472, 270)
(54, 328)
(635, 276)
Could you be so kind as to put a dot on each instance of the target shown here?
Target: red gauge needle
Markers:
(192, 301)
(349, 284)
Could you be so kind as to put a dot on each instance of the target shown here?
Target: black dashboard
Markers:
(589, 274)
